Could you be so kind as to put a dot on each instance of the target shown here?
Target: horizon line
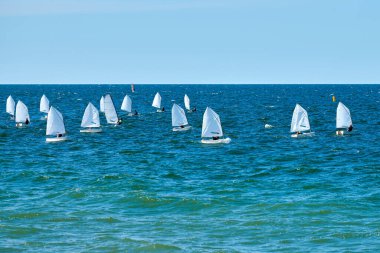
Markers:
(190, 83)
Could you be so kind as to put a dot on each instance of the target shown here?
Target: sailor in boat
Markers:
(163, 109)
(215, 138)
(182, 126)
(349, 129)
(194, 109)
(27, 122)
(135, 113)
(119, 121)
(59, 135)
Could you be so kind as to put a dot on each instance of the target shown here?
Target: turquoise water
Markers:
(140, 187)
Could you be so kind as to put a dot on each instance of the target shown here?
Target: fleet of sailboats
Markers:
(212, 132)
(179, 120)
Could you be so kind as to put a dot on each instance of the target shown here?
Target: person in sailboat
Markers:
(194, 109)
(27, 122)
(349, 129)
(119, 121)
(59, 135)
(215, 138)
(163, 109)
(135, 113)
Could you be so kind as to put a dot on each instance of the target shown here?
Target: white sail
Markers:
(187, 102)
(127, 104)
(343, 116)
(211, 125)
(22, 113)
(102, 104)
(90, 117)
(109, 110)
(10, 106)
(55, 123)
(157, 101)
(44, 104)
(300, 120)
(178, 116)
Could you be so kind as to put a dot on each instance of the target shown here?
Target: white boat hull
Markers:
(159, 110)
(218, 141)
(91, 130)
(180, 129)
(339, 132)
(21, 125)
(56, 139)
(302, 135)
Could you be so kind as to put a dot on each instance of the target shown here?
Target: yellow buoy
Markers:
(333, 98)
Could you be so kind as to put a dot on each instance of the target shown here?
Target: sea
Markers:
(140, 187)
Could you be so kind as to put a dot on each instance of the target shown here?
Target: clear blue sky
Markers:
(199, 41)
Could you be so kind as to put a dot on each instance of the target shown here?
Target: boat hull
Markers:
(91, 130)
(303, 135)
(56, 139)
(219, 141)
(181, 129)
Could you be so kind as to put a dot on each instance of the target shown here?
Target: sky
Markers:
(188, 42)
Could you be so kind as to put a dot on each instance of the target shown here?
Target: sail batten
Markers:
(157, 101)
(110, 111)
(127, 104)
(211, 126)
(90, 117)
(10, 108)
(178, 116)
(44, 104)
(343, 116)
(55, 123)
(300, 120)
(22, 113)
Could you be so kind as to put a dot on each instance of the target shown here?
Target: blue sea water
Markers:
(140, 187)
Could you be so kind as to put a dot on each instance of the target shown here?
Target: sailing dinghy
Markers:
(10, 108)
(179, 120)
(22, 115)
(110, 111)
(300, 126)
(44, 105)
(127, 106)
(90, 120)
(186, 100)
(55, 126)
(212, 132)
(102, 104)
(157, 103)
(343, 119)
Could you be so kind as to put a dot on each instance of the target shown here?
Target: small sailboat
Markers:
(44, 105)
(212, 132)
(343, 119)
(90, 120)
(110, 111)
(55, 126)
(127, 106)
(102, 104)
(157, 103)
(10, 108)
(22, 115)
(132, 88)
(300, 126)
(179, 120)
(186, 100)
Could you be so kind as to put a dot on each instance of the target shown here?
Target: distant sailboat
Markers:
(110, 111)
(44, 105)
(90, 120)
(102, 104)
(127, 105)
(157, 103)
(10, 108)
(300, 123)
(186, 100)
(343, 119)
(22, 115)
(179, 120)
(55, 126)
(132, 88)
(212, 132)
